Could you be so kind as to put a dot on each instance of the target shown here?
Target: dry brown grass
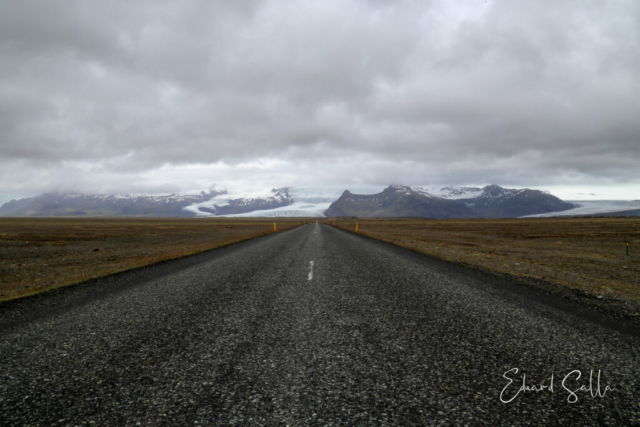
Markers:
(584, 253)
(37, 254)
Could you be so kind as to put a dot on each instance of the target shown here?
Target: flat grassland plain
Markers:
(38, 254)
(589, 254)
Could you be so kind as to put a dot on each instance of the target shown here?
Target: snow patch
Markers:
(450, 193)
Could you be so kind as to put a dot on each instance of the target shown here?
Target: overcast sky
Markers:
(165, 96)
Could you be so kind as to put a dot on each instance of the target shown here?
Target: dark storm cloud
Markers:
(101, 95)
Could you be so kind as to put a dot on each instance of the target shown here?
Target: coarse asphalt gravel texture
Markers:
(311, 326)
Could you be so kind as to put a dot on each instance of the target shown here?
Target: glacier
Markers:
(593, 207)
(307, 201)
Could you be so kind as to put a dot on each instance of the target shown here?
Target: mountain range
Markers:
(394, 201)
(491, 201)
(72, 204)
(212, 202)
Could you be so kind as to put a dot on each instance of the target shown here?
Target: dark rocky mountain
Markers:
(491, 201)
(397, 201)
(498, 202)
(279, 199)
(69, 204)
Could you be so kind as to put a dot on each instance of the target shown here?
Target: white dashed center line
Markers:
(310, 270)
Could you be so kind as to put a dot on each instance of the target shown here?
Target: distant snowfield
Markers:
(592, 207)
(223, 199)
(307, 202)
(294, 210)
(451, 193)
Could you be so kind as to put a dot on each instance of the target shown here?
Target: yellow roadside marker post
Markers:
(356, 227)
(274, 226)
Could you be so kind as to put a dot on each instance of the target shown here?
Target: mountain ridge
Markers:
(395, 200)
(491, 201)
(78, 204)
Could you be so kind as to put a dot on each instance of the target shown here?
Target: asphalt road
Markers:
(312, 326)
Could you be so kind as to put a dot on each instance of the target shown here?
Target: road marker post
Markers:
(274, 227)
(356, 227)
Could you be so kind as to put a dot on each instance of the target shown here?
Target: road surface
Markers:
(311, 326)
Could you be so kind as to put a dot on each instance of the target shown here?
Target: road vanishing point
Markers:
(311, 326)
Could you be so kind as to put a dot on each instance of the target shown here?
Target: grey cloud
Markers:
(513, 92)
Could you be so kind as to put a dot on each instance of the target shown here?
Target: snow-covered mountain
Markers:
(280, 202)
(491, 201)
(496, 201)
(450, 193)
(580, 207)
(397, 201)
(464, 193)
(73, 204)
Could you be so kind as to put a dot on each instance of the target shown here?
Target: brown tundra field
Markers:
(589, 254)
(38, 254)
